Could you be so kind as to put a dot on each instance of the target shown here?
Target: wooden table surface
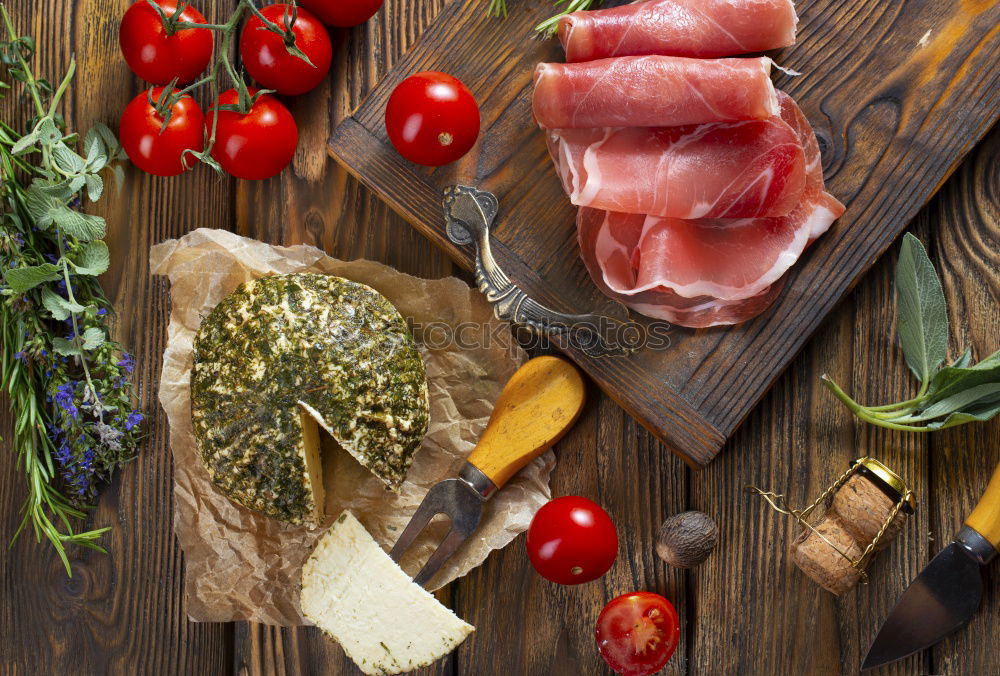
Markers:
(747, 610)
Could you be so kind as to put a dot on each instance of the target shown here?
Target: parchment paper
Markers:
(240, 565)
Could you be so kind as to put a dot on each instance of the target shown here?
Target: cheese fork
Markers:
(538, 405)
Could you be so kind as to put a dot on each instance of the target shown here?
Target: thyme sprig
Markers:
(949, 395)
(547, 28)
(68, 384)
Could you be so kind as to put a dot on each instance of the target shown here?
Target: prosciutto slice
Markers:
(711, 271)
(660, 91)
(698, 28)
(718, 170)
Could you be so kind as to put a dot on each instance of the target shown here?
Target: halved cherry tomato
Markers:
(342, 13)
(271, 64)
(157, 57)
(154, 149)
(432, 118)
(256, 145)
(637, 633)
(572, 540)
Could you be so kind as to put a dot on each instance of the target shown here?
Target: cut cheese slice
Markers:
(357, 595)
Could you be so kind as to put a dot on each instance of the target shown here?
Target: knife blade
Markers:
(947, 593)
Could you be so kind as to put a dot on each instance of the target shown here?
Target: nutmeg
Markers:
(686, 539)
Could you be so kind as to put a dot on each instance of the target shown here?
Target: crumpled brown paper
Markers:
(244, 566)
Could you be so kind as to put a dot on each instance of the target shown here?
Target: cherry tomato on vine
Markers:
(432, 118)
(272, 65)
(255, 145)
(572, 540)
(637, 633)
(162, 152)
(154, 55)
(343, 13)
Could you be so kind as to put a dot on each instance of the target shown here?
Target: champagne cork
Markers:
(858, 512)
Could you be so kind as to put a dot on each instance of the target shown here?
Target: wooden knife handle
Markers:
(538, 405)
(985, 518)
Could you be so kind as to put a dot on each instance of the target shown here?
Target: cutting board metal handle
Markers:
(985, 518)
(538, 405)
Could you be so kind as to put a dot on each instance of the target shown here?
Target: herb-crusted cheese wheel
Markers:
(357, 595)
(283, 353)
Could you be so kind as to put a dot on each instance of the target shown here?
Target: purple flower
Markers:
(51, 258)
(65, 395)
(101, 312)
(134, 418)
(18, 240)
(63, 454)
(126, 362)
(22, 356)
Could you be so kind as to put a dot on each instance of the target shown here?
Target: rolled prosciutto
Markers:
(661, 91)
(698, 28)
(710, 271)
(718, 170)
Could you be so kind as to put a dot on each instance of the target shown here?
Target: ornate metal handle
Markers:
(470, 213)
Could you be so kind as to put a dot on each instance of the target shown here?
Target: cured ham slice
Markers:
(706, 272)
(698, 28)
(718, 170)
(652, 91)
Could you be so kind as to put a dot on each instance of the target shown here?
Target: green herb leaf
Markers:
(24, 144)
(981, 411)
(959, 401)
(953, 379)
(65, 348)
(923, 315)
(964, 360)
(48, 132)
(85, 227)
(21, 280)
(93, 259)
(93, 338)
(66, 159)
(59, 307)
(95, 187)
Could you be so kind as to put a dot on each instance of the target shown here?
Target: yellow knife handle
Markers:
(985, 518)
(538, 405)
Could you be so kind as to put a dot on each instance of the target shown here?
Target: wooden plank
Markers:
(966, 221)
(897, 98)
(123, 611)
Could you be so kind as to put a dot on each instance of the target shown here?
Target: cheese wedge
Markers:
(358, 596)
(282, 354)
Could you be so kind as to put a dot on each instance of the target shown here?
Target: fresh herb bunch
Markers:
(547, 28)
(949, 395)
(69, 389)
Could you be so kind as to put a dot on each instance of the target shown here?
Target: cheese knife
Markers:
(537, 406)
(947, 592)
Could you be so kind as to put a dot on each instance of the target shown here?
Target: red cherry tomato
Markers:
(432, 118)
(256, 145)
(162, 152)
(572, 540)
(157, 57)
(342, 13)
(272, 65)
(637, 633)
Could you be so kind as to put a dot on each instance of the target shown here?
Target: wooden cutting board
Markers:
(897, 92)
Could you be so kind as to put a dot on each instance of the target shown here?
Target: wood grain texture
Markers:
(897, 98)
(747, 610)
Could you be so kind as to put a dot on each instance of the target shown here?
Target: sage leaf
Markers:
(964, 360)
(93, 338)
(21, 280)
(922, 313)
(93, 259)
(951, 379)
(959, 401)
(85, 227)
(59, 307)
(980, 412)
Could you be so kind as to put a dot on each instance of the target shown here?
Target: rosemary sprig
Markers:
(68, 385)
(955, 394)
(547, 28)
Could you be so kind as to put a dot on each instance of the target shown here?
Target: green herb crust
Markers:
(282, 345)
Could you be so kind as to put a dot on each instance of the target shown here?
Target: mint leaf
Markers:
(93, 259)
(95, 186)
(923, 316)
(25, 143)
(93, 338)
(63, 347)
(21, 280)
(85, 227)
(48, 132)
(59, 307)
(66, 159)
